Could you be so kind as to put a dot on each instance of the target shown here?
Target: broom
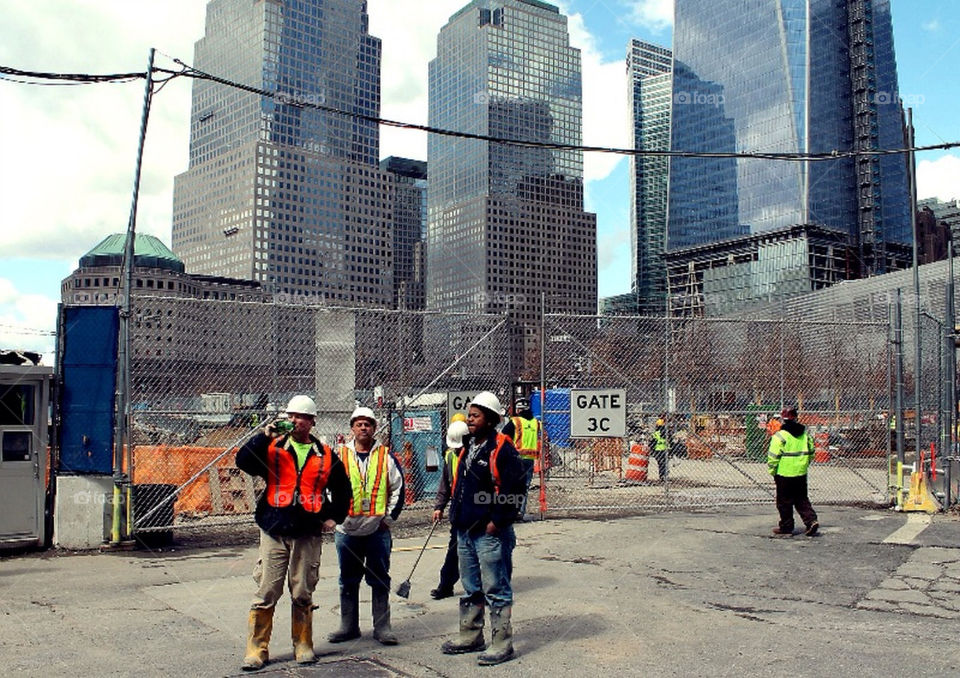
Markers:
(404, 589)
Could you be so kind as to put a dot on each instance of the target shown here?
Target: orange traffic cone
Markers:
(637, 463)
(411, 493)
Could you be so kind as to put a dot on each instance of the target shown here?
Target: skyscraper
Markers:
(277, 191)
(787, 76)
(409, 231)
(506, 221)
(649, 90)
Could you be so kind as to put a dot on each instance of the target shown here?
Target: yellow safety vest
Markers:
(789, 456)
(369, 493)
(451, 462)
(526, 437)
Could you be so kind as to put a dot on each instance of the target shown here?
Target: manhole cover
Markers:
(350, 666)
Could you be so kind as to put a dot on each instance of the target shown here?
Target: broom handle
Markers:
(423, 548)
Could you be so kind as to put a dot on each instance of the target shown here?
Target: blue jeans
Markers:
(368, 555)
(486, 566)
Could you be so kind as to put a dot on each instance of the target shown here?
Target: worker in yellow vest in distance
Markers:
(450, 571)
(788, 458)
(527, 433)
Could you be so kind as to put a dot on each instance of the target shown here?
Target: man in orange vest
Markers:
(307, 492)
(487, 490)
(363, 539)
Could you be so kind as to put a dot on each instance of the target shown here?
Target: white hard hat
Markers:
(455, 434)
(302, 404)
(365, 413)
(488, 401)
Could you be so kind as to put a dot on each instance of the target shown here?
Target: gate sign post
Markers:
(457, 402)
(598, 413)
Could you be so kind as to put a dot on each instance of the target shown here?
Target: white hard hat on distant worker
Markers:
(489, 402)
(302, 404)
(455, 434)
(363, 413)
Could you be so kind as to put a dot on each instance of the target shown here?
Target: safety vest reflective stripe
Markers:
(788, 455)
(370, 488)
(494, 471)
(526, 437)
(286, 484)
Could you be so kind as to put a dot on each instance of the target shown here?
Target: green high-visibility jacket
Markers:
(659, 441)
(789, 456)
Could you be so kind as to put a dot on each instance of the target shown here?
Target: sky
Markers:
(70, 151)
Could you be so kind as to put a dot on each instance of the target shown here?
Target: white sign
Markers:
(457, 402)
(598, 413)
(411, 424)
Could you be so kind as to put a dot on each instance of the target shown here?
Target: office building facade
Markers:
(506, 221)
(278, 191)
(409, 231)
(649, 91)
(790, 77)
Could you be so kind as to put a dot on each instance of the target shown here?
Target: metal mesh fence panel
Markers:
(715, 383)
(207, 374)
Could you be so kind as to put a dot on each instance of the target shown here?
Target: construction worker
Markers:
(526, 433)
(363, 539)
(307, 493)
(788, 458)
(487, 489)
(660, 448)
(449, 572)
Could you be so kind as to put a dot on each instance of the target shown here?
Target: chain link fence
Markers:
(207, 374)
(715, 383)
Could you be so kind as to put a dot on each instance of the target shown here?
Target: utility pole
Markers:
(123, 449)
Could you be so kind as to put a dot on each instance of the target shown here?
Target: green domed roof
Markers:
(148, 252)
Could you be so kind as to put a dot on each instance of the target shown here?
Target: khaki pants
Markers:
(296, 559)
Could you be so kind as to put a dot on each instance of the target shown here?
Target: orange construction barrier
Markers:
(410, 494)
(821, 452)
(637, 463)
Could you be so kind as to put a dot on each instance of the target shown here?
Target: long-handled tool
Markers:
(404, 589)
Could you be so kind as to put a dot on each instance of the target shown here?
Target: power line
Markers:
(300, 101)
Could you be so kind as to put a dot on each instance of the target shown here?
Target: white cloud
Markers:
(656, 15)
(20, 317)
(939, 178)
(932, 26)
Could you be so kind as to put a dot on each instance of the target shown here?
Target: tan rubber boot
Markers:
(301, 629)
(260, 625)
(471, 630)
(501, 646)
(381, 619)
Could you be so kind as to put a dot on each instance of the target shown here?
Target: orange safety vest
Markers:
(374, 490)
(286, 484)
(501, 439)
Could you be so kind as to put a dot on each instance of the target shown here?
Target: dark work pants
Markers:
(663, 463)
(450, 571)
(792, 493)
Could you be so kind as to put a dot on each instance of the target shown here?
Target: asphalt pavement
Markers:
(672, 594)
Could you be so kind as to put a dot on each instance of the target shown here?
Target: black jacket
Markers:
(793, 427)
(475, 501)
(293, 521)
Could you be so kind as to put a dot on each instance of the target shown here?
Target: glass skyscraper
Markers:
(276, 191)
(506, 222)
(649, 91)
(787, 76)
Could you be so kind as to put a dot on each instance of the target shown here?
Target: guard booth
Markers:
(24, 456)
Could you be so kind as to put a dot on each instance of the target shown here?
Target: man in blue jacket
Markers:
(488, 491)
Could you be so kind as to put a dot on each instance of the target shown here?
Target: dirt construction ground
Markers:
(672, 594)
